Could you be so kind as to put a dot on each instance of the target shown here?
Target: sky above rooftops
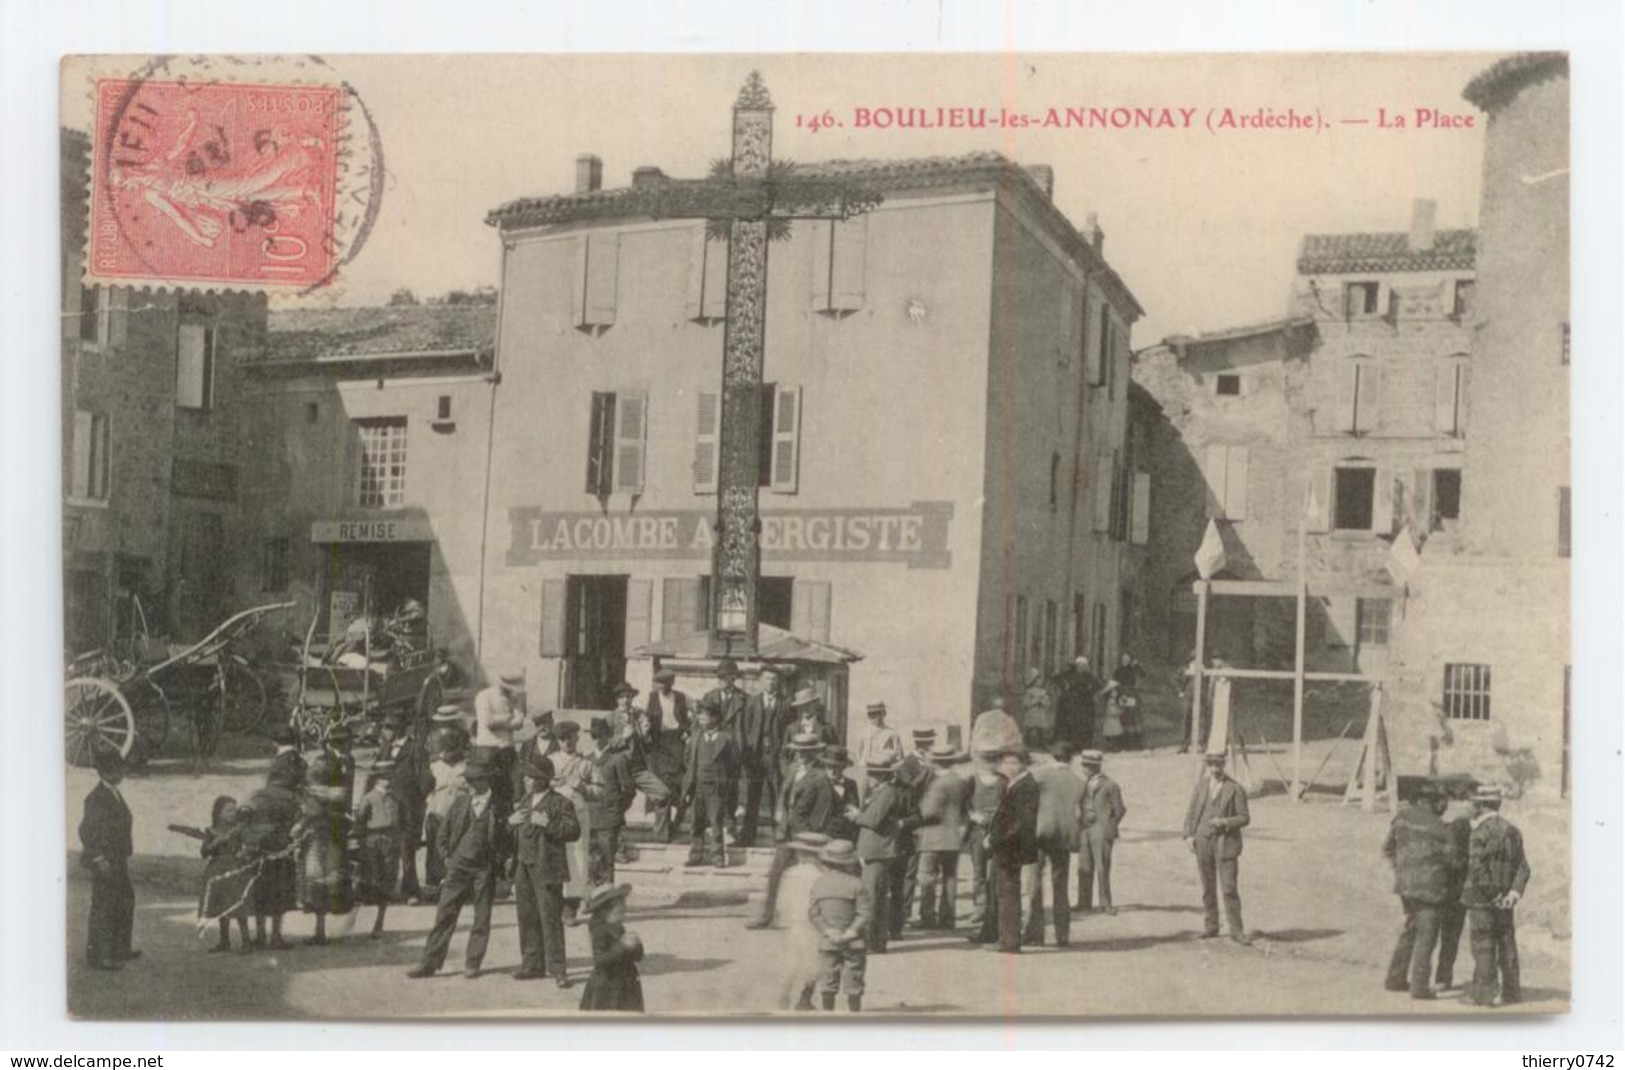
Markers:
(1204, 228)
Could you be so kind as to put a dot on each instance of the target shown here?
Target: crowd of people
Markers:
(868, 842)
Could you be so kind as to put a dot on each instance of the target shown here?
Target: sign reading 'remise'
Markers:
(916, 536)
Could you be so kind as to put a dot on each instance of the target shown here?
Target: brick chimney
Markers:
(1423, 212)
(647, 176)
(589, 173)
(1093, 234)
(1044, 175)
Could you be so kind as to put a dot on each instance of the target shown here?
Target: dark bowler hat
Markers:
(566, 729)
(478, 774)
(109, 761)
(727, 667)
(540, 767)
(625, 688)
(598, 727)
(836, 757)
(665, 676)
(284, 736)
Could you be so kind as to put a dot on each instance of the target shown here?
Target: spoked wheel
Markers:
(97, 718)
(241, 695)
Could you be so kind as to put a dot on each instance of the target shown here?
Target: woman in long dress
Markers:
(574, 777)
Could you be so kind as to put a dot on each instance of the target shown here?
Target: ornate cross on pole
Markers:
(750, 199)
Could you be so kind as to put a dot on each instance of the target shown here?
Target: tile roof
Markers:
(1287, 326)
(1336, 254)
(772, 644)
(1504, 79)
(378, 331)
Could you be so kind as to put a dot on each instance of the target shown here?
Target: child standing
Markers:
(228, 876)
(801, 935)
(378, 829)
(614, 984)
(708, 780)
(841, 911)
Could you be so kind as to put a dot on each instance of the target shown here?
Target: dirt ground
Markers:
(1315, 892)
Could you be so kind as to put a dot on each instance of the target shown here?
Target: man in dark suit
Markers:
(660, 738)
(402, 742)
(1497, 874)
(616, 789)
(728, 699)
(1103, 812)
(1213, 823)
(1421, 848)
(105, 833)
(543, 822)
(761, 734)
(804, 804)
(1011, 842)
(708, 783)
(943, 807)
(471, 843)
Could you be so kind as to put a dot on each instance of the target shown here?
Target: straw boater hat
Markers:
(836, 757)
(946, 753)
(1216, 757)
(880, 768)
(808, 843)
(1487, 793)
(450, 713)
(804, 697)
(805, 741)
(1091, 757)
(924, 735)
(838, 853)
(874, 708)
(513, 682)
(382, 767)
(605, 894)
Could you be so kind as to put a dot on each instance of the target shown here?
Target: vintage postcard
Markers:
(825, 535)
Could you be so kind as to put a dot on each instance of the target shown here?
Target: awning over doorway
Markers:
(772, 644)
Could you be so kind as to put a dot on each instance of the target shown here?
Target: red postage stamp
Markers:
(215, 185)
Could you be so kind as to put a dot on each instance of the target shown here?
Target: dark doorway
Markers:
(372, 577)
(595, 616)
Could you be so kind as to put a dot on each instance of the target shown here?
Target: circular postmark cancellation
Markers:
(223, 173)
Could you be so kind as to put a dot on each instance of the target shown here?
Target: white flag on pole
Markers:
(1210, 555)
(1403, 559)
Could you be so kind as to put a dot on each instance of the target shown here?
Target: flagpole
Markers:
(1298, 653)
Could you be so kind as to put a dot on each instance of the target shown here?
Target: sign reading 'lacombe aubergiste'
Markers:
(916, 536)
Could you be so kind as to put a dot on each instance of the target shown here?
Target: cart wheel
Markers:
(241, 694)
(97, 718)
(429, 698)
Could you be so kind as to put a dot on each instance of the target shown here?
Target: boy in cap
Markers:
(545, 823)
(708, 784)
(105, 834)
(614, 984)
(1213, 823)
(615, 791)
(1497, 874)
(878, 742)
(803, 805)
(379, 826)
(840, 909)
(1103, 812)
(470, 844)
(943, 809)
(877, 825)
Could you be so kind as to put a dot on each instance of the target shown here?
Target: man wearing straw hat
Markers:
(1213, 823)
(877, 825)
(1103, 812)
(1497, 874)
(471, 843)
(498, 712)
(803, 805)
(943, 812)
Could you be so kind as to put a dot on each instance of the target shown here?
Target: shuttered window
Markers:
(1225, 469)
(840, 255)
(707, 279)
(194, 367)
(682, 608)
(786, 439)
(707, 437)
(597, 275)
(809, 609)
(1359, 392)
(90, 474)
(1450, 397)
(1099, 345)
(631, 441)
(1140, 521)
(1105, 471)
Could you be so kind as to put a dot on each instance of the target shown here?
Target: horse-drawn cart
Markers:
(123, 702)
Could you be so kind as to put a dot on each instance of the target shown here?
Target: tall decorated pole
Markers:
(737, 555)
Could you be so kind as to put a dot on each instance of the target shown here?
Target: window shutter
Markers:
(1103, 493)
(639, 609)
(79, 485)
(554, 625)
(211, 338)
(1140, 522)
(849, 255)
(1069, 320)
(694, 299)
(1235, 483)
(1370, 398)
(118, 316)
(1214, 464)
(786, 439)
(1347, 389)
(1321, 488)
(1444, 398)
(715, 303)
(823, 237)
(100, 457)
(809, 609)
(191, 366)
(1382, 502)
(1422, 501)
(603, 270)
(679, 607)
(1097, 346)
(579, 296)
(599, 444)
(631, 440)
(707, 434)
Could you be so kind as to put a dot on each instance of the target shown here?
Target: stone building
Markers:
(1482, 655)
(1356, 398)
(945, 483)
(151, 459)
